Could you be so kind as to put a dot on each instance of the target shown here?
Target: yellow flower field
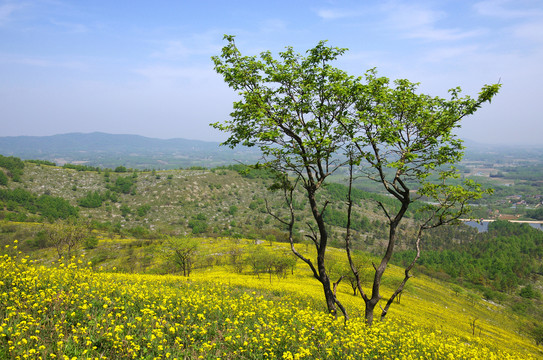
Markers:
(72, 312)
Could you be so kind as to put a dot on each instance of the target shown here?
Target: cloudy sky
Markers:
(143, 67)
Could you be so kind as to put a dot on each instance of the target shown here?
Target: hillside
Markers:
(217, 202)
(134, 213)
(514, 172)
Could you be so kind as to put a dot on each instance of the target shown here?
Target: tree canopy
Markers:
(311, 119)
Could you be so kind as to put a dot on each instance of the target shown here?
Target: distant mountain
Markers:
(109, 150)
(140, 152)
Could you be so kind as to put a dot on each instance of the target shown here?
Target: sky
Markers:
(144, 67)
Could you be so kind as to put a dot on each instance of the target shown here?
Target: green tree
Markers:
(13, 165)
(52, 207)
(198, 224)
(143, 210)
(124, 185)
(536, 332)
(290, 109)
(399, 139)
(310, 119)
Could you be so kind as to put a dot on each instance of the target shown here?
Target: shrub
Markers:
(90, 243)
(91, 200)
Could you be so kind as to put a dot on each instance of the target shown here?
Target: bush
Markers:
(3, 178)
(125, 210)
(91, 200)
(52, 208)
(123, 185)
(139, 232)
(90, 243)
(537, 333)
(197, 226)
(529, 292)
(13, 165)
(143, 210)
(39, 241)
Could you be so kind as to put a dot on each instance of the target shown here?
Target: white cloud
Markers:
(173, 49)
(7, 10)
(273, 25)
(505, 9)
(42, 62)
(531, 31)
(198, 44)
(416, 21)
(440, 54)
(334, 14)
(430, 33)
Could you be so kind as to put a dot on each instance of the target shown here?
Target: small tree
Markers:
(182, 253)
(270, 238)
(258, 258)
(67, 236)
(235, 255)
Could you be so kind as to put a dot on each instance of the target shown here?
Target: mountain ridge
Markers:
(137, 151)
(141, 152)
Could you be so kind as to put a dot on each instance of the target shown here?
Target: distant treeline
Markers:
(503, 258)
(249, 172)
(41, 162)
(532, 172)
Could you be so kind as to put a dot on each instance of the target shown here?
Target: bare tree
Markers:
(182, 252)
(67, 236)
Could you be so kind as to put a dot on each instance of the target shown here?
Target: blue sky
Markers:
(143, 67)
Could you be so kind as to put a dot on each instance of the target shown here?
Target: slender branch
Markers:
(406, 277)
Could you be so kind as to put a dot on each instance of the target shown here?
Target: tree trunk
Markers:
(320, 245)
(370, 306)
(330, 298)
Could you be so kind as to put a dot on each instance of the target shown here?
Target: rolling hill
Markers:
(133, 151)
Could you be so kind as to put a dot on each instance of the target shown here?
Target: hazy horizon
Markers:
(145, 69)
(467, 141)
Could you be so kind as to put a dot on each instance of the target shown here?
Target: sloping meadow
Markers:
(70, 311)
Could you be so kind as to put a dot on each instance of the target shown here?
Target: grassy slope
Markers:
(175, 197)
(173, 200)
(427, 303)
